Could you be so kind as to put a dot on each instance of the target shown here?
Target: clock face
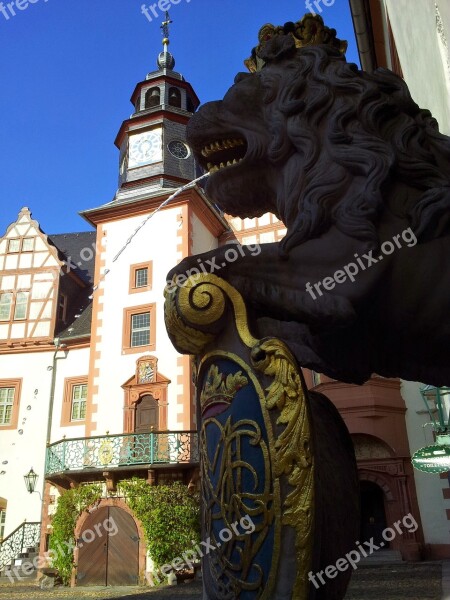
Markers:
(145, 148)
(179, 149)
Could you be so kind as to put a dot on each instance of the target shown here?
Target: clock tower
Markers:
(153, 153)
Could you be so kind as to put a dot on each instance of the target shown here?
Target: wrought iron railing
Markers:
(112, 451)
(25, 536)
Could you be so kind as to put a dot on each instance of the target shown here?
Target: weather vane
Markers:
(165, 25)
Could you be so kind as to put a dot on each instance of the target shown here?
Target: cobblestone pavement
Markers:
(421, 581)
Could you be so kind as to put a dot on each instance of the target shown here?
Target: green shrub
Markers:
(169, 514)
(62, 541)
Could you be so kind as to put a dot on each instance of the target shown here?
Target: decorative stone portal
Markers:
(387, 497)
(145, 405)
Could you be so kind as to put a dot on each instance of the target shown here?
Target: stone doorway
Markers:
(373, 514)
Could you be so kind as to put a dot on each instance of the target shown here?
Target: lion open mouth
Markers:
(222, 154)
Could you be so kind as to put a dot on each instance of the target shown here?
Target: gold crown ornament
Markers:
(220, 388)
(309, 31)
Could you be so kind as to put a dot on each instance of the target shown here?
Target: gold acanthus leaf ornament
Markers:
(294, 457)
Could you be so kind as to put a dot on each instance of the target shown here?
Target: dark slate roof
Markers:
(81, 326)
(78, 251)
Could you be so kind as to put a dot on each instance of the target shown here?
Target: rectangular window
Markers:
(6, 405)
(139, 324)
(20, 311)
(14, 245)
(140, 277)
(10, 390)
(5, 306)
(74, 406)
(140, 329)
(79, 398)
(28, 244)
(2, 523)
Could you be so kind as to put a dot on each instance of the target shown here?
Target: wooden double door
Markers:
(108, 552)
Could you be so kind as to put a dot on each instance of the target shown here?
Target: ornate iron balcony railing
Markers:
(112, 451)
(16, 543)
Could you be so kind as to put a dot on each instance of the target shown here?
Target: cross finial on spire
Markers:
(165, 26)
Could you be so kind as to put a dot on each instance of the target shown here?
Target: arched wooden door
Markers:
(147, 415)
(108, 549)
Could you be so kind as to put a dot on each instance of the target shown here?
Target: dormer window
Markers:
(62, 307)
(16, 245)
(28, 244)
(152, 97)
(175, 97)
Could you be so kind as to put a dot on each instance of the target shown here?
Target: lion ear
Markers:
(277, 48)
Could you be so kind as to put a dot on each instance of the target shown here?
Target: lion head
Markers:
(319, 143)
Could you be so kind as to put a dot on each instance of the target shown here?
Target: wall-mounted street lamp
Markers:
(437, 401)
(30, 480)
(436, 458)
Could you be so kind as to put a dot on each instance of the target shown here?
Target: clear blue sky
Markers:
(67, 71)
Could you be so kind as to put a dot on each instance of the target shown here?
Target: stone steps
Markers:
(384, 557)
(22, 567)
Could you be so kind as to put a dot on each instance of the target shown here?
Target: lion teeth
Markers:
(221, 145)
(214, 168)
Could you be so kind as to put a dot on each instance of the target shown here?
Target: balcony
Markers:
(87, 458)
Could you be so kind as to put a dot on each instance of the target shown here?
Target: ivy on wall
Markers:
(62, 541)
(169, 514)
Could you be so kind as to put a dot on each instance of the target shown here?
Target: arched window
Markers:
(174, 97)
(147, 415)
(138, 104)
(152, 97)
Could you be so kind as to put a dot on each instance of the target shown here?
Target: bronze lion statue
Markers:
(360, 175)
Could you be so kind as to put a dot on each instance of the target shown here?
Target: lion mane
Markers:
(348, 126)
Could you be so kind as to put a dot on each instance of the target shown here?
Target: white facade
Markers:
(157, 243)
(24, 448)
(421, 30)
